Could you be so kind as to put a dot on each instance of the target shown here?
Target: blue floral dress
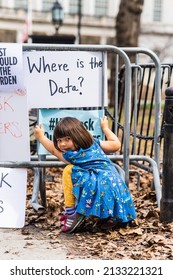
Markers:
(97, 186)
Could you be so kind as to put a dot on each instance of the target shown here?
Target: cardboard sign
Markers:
(12, 197)
(90, 119)
(63, 79)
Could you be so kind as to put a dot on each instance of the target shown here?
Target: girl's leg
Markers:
(68, 187)
(71, 218)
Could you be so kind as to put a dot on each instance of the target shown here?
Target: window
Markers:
(22, 4)
(74, 6)
(157, 15)
(101, 7)
(47, 5)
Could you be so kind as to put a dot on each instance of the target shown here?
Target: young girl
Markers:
(92, 186)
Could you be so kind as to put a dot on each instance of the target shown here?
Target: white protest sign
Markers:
(11, 67)
(90, 119)
(14, 126)
(63, 79)
(12, 197)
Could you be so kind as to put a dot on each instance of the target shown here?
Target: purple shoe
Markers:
(72, 222)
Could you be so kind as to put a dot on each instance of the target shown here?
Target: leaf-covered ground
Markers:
(145, 239)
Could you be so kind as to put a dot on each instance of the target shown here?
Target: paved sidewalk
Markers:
(17, 246)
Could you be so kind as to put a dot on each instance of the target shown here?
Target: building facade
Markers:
(95, 24)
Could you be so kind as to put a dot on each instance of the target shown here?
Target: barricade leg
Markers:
(35, 191)
(166, 206)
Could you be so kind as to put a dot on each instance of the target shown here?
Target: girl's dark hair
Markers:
(73, 128)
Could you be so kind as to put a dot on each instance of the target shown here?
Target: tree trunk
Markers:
(127, 32)
(128, 23)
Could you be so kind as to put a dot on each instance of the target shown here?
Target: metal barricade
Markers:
(142, 123)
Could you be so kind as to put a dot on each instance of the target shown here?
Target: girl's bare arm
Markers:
(112, 144)
(48, 144)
